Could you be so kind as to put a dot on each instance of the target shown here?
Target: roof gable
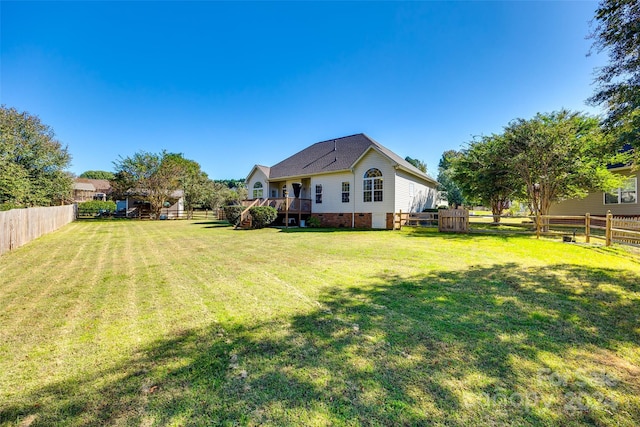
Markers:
(264, 169)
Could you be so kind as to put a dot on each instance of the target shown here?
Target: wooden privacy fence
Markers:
(20, 226)
(453, 220)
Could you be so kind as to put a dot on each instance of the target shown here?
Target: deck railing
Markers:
(282, 204)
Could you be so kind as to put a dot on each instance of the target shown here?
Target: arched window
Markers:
(372, 186)
(257, 190)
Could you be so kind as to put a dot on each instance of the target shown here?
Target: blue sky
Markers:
(234, 84)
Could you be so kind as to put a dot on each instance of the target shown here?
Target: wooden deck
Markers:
(283, 204)
(290, 210)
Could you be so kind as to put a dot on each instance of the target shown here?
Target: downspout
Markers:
(353, 209)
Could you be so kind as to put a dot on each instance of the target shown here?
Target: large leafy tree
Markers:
(617, 32)
(555, 156)
(195, 183)
(32, 162)
(445, 179)
(483, 173)
(151, 176)
(157, 177)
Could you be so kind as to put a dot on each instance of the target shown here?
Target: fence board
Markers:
(453, 220)
(625, 230)
(20, 226)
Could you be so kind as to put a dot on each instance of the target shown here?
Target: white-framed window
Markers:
(373, 186)
(346, 191)
(412, 189)
(274, 193)
(626, 194)
(257, 190)
(319, 193)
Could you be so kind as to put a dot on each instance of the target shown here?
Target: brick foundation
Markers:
(390, 221)
(362, 220)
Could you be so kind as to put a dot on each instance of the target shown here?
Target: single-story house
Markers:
(621, 201)
(135, 205)
(90, 189)
(352, 182)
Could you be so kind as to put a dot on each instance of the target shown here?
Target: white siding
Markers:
(257, 176)
(332, 193)
(373, 159)
(424, 193)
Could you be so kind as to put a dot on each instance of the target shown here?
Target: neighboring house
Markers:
(621, 202)
(90, 189)
(345, 182)
(134, 205)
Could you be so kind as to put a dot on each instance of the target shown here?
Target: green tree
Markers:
(419, 164)
(231, 183)
(230, 191)
(98, 175)
(151, 176)
(445, 179)
(556, 156)
(482, 172)
(194, 183)
(617, 32)
(32, 162)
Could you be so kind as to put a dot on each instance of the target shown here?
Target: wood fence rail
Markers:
(611, 229)
(20, 226)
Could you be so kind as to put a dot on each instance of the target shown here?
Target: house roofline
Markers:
(395, 164)
(424, 177)
(253, 169)
(285, 178)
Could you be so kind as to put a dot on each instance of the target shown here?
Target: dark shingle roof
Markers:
(335, 155)
(100, 185)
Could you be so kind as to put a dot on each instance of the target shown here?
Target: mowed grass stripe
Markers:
(189, 323)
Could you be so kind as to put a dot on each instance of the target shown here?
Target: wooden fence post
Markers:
(608, 229)
(400, 221)
(286, 212)
(587, 227)
(537, 225)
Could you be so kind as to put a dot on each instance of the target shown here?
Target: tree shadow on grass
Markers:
(213, 224)
(444, 348)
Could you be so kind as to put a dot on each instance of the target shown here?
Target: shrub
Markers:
(263, 215)
(233, 213)
(313, 222)
(97, 206)
(7, 206)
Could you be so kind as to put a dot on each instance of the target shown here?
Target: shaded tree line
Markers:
(542, 160)
(563, 154)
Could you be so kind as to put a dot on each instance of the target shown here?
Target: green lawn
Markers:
(193, 323)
